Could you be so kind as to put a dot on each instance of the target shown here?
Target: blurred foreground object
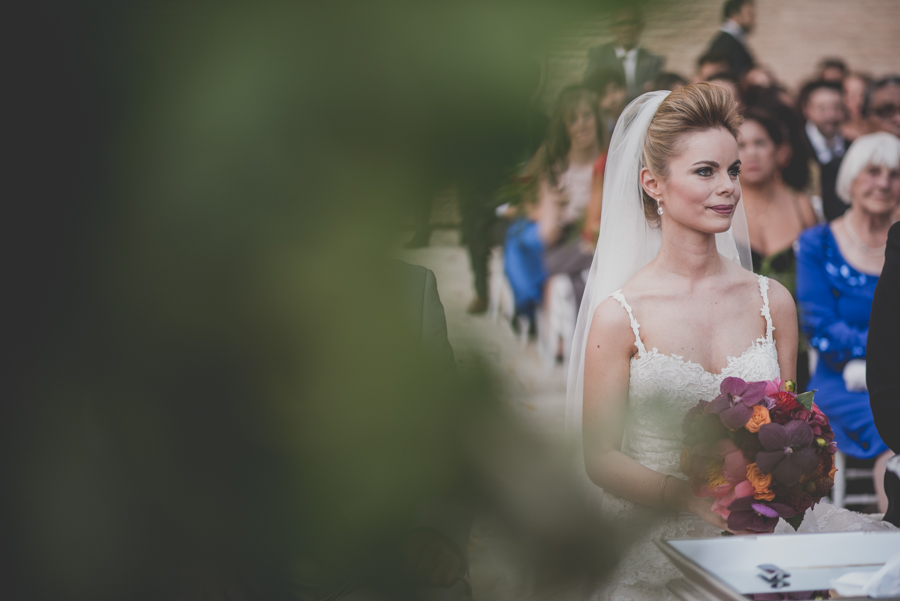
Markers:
(214, 369)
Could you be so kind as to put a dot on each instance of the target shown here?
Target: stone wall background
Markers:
(791, 36)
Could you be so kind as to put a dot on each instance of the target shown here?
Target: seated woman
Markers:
(547, 240)
(838, 266)
(776, 213)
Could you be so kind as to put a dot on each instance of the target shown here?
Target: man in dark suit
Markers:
(882, 376)
(730, 42)
(820, 103)
(638, 66)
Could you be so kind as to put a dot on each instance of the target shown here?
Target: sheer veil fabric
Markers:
(627, 242)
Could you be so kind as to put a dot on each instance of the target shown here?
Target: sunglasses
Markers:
(886, 111)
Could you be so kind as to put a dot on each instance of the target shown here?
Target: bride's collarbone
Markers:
(703, 331)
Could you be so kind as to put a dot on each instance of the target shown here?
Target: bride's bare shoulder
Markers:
(611, 321)
(781, 303)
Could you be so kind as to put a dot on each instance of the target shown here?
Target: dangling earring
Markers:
(659, 210)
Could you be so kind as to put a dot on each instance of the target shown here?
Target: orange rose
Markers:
(760, 482)
(759, 418)
(832, 472)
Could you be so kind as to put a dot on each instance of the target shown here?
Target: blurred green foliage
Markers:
(213, 368)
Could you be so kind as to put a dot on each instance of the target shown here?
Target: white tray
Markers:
(727, 567)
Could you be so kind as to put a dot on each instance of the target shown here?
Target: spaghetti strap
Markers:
(764, 291)
(634, 324)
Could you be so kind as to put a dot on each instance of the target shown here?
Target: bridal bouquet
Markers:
(760, 452)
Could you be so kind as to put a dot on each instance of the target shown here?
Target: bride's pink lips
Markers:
(723, 209)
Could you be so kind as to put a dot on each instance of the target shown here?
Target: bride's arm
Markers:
(784, 318)
(610, 346)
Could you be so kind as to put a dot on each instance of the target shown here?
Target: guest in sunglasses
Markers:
(882, 105)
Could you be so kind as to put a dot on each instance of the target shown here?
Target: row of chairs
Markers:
(554, 319)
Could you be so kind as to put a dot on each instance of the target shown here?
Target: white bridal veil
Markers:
(627, 242)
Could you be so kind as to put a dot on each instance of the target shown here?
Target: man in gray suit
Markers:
(624, 54)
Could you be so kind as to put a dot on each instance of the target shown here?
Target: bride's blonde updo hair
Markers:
(692, 108)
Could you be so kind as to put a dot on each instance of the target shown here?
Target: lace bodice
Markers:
(662, 388)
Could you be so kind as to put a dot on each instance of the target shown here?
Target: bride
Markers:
(671, 309)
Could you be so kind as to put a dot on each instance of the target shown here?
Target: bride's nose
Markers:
(726, 185)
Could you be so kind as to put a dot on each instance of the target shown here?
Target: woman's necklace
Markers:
(872, 252)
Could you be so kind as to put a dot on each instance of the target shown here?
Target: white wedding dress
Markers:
(662, 388)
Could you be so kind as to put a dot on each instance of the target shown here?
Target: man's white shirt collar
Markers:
(825, 152)
(622, 53)
(629, 63)
(736, 31)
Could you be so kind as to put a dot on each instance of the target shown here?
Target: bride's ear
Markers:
(650, 184)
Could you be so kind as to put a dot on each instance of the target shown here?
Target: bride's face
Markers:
(702, 188)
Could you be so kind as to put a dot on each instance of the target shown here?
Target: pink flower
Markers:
(735, 468)
(727, 468)
(773, 386)
(741, 489)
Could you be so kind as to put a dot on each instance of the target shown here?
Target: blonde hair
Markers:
(693, 108)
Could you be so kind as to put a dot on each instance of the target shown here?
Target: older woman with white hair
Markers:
(838, 265)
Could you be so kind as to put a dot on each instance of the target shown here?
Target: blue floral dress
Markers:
(835, 302)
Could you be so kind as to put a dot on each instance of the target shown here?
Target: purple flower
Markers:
(787, 454)
(735, 405)
(748, 513)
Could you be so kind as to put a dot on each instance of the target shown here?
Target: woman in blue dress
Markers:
(838, 265)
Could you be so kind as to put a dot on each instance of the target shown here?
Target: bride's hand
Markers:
(684, 499)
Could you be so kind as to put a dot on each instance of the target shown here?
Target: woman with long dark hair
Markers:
(548, 240)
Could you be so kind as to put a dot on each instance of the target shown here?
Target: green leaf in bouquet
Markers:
(797, 519)
(806, 399)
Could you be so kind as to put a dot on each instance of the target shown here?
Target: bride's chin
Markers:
(719, 226)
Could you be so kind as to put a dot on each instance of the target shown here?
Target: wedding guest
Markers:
(838, 267)
(832, 69)
(758, 76)
(609, 85)
(794, 159)
(882, 376)
(855, 124)
(739, 20)
(668, 80)
(546, 240)
(711, 63)
(776, 212)
(882, 105)
(638, 66)
(820, 103)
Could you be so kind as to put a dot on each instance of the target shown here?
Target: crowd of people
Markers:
(820, 187)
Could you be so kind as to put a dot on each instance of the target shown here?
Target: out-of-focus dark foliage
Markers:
(211, 371)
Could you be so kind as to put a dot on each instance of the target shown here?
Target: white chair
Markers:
(500, 299)
(839, 495)
(556, 319)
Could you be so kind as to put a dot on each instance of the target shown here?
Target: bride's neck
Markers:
(688, 253)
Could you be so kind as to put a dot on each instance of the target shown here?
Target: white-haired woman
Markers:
(838, 265)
